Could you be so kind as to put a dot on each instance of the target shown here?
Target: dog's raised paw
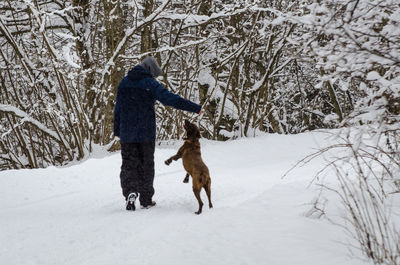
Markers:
(167, 162)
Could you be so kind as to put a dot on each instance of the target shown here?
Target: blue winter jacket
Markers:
(134, 117)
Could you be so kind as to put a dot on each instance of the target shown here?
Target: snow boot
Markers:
(148, 206)
(130, 201)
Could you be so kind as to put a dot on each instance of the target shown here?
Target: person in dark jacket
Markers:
(135, 125)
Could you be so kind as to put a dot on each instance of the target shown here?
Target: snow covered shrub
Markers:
(365, 166)
(368, 177)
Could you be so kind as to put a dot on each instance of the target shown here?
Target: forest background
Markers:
(281, 67)
(274, 66)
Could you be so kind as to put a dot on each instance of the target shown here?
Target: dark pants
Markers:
(137, 170)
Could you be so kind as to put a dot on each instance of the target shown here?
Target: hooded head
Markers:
(150, 64)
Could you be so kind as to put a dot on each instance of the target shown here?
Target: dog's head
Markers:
(192, 131)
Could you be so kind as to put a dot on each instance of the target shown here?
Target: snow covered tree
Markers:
(279, 67)
(61, 62)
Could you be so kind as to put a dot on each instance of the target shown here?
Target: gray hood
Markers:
(150, 64)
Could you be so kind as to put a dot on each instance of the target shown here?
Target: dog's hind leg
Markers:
(196, 192)
(207, 187)
(186, 179)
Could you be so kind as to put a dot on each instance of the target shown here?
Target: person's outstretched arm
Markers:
(170, 99)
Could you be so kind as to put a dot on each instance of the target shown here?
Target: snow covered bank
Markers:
(75, 215)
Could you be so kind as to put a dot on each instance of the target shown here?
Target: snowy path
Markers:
(75, 215)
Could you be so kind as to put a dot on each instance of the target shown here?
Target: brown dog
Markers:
(193, 164)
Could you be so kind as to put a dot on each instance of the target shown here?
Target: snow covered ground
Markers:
(75, 215)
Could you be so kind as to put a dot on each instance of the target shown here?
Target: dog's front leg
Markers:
(169, 160)
(175, 157)
(186, 179)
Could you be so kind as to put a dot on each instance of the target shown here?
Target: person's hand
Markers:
(201, 112)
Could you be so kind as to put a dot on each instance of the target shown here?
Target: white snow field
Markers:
(76, 215)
